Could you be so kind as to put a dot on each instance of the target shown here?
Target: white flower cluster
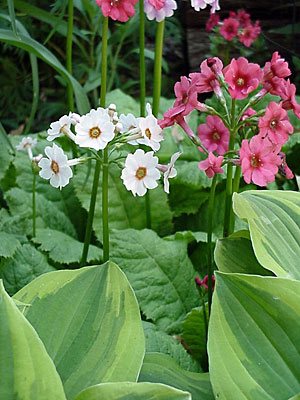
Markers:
(95, 130)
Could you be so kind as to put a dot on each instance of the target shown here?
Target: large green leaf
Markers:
(161, 368)
(274, 224)
(132, 391)
(160, 273)
(254, 341)
(34, 47)
(26, 264)
(125, 210)
(235, 254)
(8, 244)
(26, 370)
(63, 248)
(90, 323)
(158, 341)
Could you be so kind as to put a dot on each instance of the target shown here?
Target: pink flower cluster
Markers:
(237, 25)
(204, 282)
(118, 10)
(260, 157)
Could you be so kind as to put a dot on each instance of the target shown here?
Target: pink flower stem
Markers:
(211, 201)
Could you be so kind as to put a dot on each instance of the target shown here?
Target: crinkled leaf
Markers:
(235, 254)
(90, 323)
(160, 273)
(274, 224)
(47, 214)
(5, 155)
(26, 264)
(63, 248)
(125, 210)
(159, 342)
(162, 368)
(8, 244)
(132, 391)
(27, 371)
(253, 341)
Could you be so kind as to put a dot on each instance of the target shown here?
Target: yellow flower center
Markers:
(95, 132)
(255, 161)
(215, 136)
(55, 167)
(148, 133)
(240, 82)
(273, 124)
(141, 172)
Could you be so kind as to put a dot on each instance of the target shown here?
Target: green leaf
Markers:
(235, 254)
(47, 214)
(125, 210)
(27, 371)
(274, 224)
(34, 47)
(162, 368)
(125, 104)
(132, 391)
(253, 341)
(159, 342)
(90, 323)
(8, 244)
(297, 397)
(63, 248)
(194, 335)
(5, 156)
(25, 265)
(160, 273)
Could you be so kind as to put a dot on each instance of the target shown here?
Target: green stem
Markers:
(228, 200)
(88, 232)
(211, 201)
(157, 66)
(148, 210)
(142, 59)
(235, 188)
(105, 206)
(33, 204)
(205, 324)
(35, 89)
(69, 53)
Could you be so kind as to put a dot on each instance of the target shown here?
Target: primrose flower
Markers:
(207, 79)
(128, 122)
(186, 96)
(242, 77)
(204, 282)
(212, 165)
(288, 95)
(259, 160)
(169, 171)
(214, 135)
(213, 21)
(140, 172)
(26, 144)
(243, 18)
(276, 67)
(95, 130)
(159, 9)
(249, 34)
(229, 29)
(62, 127)
(283, 167)
(201, 4)
(151, 132)
(275, 123)
(118, 10)
(56, 167)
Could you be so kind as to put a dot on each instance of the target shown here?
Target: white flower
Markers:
(26, 144)
(95, 130)
(201, 4)
(140, 172)
(55, 167)
(129, 122)
(62, 127)
(151, 131)
(169, 171)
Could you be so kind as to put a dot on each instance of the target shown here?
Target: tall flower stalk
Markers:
(157, 66)
(69, 53)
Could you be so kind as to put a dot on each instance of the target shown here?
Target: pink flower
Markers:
(204, 282)
(207, 79)
(248, 114)
(243, 18)
(284, 167)
(186, 96)
(259, 160)
(274, 85)
(229, 29)
(249, 34)
(275, 123)
(213, 20)
(159, 9)
(214, 135)
(118, 10)
(242, 77)
(288, 95)
(212, 165)
(277, 67)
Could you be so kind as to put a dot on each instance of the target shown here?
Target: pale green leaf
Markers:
(160, 273)
(274, 224)
(159, 342)
(25, 265)
(161, 368)
(253, 341)
(90, 323)
(63, 248)
(132, 391)
(26, 370)
(125, 104)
